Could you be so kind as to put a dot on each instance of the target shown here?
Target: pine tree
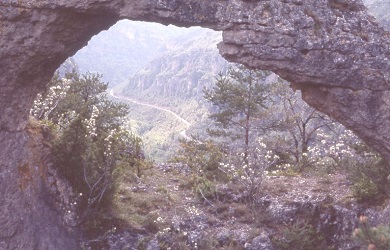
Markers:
(238, 99)
(375, 238)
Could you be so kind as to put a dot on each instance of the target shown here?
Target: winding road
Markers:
(183, 133)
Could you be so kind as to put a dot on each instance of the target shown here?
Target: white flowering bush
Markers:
(334, 151)
(48, 100)
(331, 151)
(306, 140)
(91, 147)
(250, 173)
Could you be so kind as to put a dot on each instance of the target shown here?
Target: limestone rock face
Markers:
(36, 210)
(332, 50)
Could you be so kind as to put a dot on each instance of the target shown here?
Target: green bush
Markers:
(202, 157)
(375, 238)
(299, 236)
(364, 190)
(91, 148)
(369, 180)
(204, 188)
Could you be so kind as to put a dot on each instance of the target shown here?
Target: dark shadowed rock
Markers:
(261, 242)
(332, 50)
(36, 205)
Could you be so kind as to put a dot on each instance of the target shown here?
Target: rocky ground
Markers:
(160, 210)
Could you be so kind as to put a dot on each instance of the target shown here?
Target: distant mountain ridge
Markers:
(181, 72)
(125, 48)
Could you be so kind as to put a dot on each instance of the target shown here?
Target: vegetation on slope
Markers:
(179, 205)
(174, 80)
(210, 195)
(91, 148)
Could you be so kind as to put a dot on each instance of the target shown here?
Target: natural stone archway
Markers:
(332, 44)
(332, 50)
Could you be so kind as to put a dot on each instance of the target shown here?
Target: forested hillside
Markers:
(125, 48)
(181, 72)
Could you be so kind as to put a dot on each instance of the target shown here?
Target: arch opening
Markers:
(160, 71)
(344, 71)
(259, 34)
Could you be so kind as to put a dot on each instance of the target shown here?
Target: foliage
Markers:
(379, 173)
(299, 236)
(280, 134)
(369, 179)
(202, 157)
(250, 175)
(91, 148)
(308, 141)
(204, 188)
(364, 190)
(375, 238)
(297, 128)
(238, 98)
(247, 104)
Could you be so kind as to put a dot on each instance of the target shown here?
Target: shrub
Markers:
(202, 158)
(369, 180)
(91, 147)
(302, 236)
(249, 169)
(204, 188)
(364, 190)
(375, 238)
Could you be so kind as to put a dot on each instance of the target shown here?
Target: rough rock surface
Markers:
(228, 222)
(332, 50)
(36, 205)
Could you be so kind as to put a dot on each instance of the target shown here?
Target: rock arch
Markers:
(332, 50)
